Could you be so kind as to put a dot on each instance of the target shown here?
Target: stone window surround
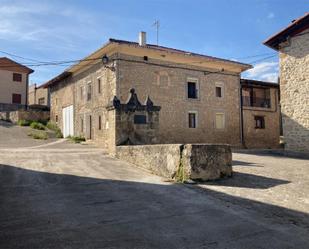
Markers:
(195, 80)
(220, 112)
(196, 119)
(99, 84)
(221, 85)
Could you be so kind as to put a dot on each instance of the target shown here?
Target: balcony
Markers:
(256, 102)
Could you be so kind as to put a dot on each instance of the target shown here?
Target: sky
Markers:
(40, 30)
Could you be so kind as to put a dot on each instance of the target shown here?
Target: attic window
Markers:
(145, 58)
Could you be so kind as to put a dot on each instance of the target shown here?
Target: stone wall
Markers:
(269, 136)
(167, 86)
(294, 88)
(15, 116)
(194, 161)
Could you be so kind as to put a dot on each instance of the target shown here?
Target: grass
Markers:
(38, 135)
(23, 122)
(52, 126)
(37, 126)
(76, 139)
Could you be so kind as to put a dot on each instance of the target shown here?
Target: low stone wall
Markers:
(189, 161)
(15, 116)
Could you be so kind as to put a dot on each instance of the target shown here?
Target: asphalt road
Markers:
(77, 197)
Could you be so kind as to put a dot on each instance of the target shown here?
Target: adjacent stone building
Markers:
(292, 43)
(198, 95)
(14, 81)
(38, 95)
(261, 114)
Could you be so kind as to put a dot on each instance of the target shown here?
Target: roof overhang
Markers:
(294, 28)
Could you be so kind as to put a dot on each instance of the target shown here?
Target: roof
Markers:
(297, 26)
(258, 83)
(174, 50)
(112, 43)
(10, 65)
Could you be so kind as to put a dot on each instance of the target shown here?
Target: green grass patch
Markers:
(38, 135)
(76, 139)
(37, 126)
(24, 122)
(54, 127)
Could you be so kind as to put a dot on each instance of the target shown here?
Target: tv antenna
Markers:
(157, 25)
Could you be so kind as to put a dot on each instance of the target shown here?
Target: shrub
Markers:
(76, 139)
(38, 135)
(24, 122)
(37, 126)
(52, 126)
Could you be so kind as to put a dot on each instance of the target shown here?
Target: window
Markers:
(56, 118)
(259, 122)
(99, 85)
(16, 98)
(41, 101)
(81, 92)
(192, 90)
(140, 119)
(81, 124)
(17, 77)
(100, 123)
(192, 119)
(218, 91)
(256, 97)
(220, 120)
(89, 92)
(145, 58)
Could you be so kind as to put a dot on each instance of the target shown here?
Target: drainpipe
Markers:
(242, 138)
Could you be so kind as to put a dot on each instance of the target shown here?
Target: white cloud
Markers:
(270, 15)
(265, 71)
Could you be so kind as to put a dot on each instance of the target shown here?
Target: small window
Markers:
(89, 92)
(192, 90)
(145, 58)
(81, 124)
(140, 119)
(17, 77)
(220, 121)
(218, 91)
(16, 98)
(259, 122)
(100, 123)
(56, 118)
(81, 92)
(192, 120)
(41, 101)
(99, 85)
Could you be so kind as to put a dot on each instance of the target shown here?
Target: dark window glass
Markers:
(81, 124)
(17, 77)
(89, 92)
(192, 120)
(16, 98)
(41, 101)
(100, 123)
(218, 92)
(139, 119)
(99, 85)
(192, 90)
(145, 58)
(259, 122)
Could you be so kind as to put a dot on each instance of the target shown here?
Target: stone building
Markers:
(261, 114)
(292, 43)
(38, 95)
(14, 81)
(198, 95)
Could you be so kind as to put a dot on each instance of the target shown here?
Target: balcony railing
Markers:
(256, 102)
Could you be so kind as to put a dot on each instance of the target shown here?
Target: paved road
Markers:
(77, 197)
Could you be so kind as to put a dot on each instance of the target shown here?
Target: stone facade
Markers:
(266, 108)
(294, 87)
(38, 95)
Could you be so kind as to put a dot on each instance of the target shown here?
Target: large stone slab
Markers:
(181, 162)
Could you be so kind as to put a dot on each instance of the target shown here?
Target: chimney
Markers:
(142, 38)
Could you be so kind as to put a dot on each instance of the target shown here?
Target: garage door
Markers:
(68, 125)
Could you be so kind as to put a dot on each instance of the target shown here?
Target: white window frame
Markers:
(196, 119)
(224, 120)
(197, 82)
(220, 84)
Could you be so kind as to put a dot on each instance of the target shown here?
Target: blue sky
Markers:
(68, 30)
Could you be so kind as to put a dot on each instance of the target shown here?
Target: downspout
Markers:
(242, 138)
(27, 91)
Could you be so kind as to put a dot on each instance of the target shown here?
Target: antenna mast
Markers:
(157, 25)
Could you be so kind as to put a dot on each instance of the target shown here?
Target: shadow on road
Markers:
(46, 210)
